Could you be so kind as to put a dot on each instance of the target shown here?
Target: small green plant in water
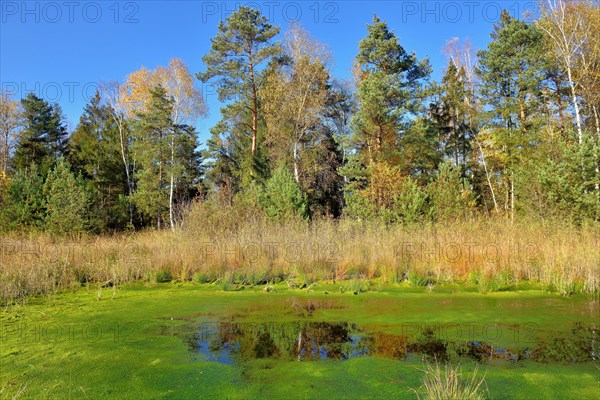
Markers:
(203, 277)
(225, 282)
(487, 282)
(448, 383)
(358, 285)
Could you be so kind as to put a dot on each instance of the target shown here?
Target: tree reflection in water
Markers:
(229, 342)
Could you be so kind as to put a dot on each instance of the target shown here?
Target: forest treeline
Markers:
(511, 130)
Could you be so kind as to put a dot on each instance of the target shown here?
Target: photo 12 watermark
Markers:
(289, 252)
(318, 12)
(70, 12)
(73, 92)
(449, 252)
(57, 332)
(456, 12)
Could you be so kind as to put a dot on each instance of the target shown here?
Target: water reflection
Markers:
(229, 342)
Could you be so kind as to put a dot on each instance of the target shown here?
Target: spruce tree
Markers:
(150, 152)
(94, 152)
(452, 117)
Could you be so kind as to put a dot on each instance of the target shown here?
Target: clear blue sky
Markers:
(61, 50)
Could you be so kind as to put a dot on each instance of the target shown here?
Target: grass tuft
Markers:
(448, 383)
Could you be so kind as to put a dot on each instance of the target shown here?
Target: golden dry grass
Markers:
(238, 247)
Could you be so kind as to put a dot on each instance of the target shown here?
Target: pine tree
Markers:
(68, 201)
(151, 154)
(44, 138)
(168, 164)
(511, 72)
(241, 46)
(390, 83)
(25, 204)
(391, 89)
(282, 197)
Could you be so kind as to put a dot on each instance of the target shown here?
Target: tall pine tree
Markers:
(243, 44)
(44, 138)
(511, 72)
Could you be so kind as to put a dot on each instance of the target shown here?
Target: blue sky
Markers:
(61, 50)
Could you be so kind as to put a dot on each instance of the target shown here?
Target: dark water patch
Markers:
(232, 342)
(581, 345)
(430, 345)
(483, 352)
(228, 342)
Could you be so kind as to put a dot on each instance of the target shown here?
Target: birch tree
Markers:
(11, 119)
(295, 95)
(570, 31)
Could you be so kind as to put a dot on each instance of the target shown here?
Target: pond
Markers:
(231, 342)
(189, 341)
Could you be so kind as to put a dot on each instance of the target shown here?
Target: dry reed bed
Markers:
(492, 254)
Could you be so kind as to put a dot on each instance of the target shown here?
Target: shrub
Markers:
(417, 279)
(203, 277)
(451, 196)
(67, 201)
(390, 197)
(282, 197)
(25, 201)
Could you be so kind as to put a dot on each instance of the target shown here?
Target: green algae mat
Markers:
(186, 341)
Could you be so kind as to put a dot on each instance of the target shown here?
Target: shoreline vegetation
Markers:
(243, 249)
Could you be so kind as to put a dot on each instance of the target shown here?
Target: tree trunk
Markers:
(597, 121)
(559, 103)
(296, 167)
(378, 141)
(522, 110)
(487, 176)
(171, 187)
(5, 153)
(575, 105)
(122, 140)
(512, 197)
(254, 106)
(160, 174)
